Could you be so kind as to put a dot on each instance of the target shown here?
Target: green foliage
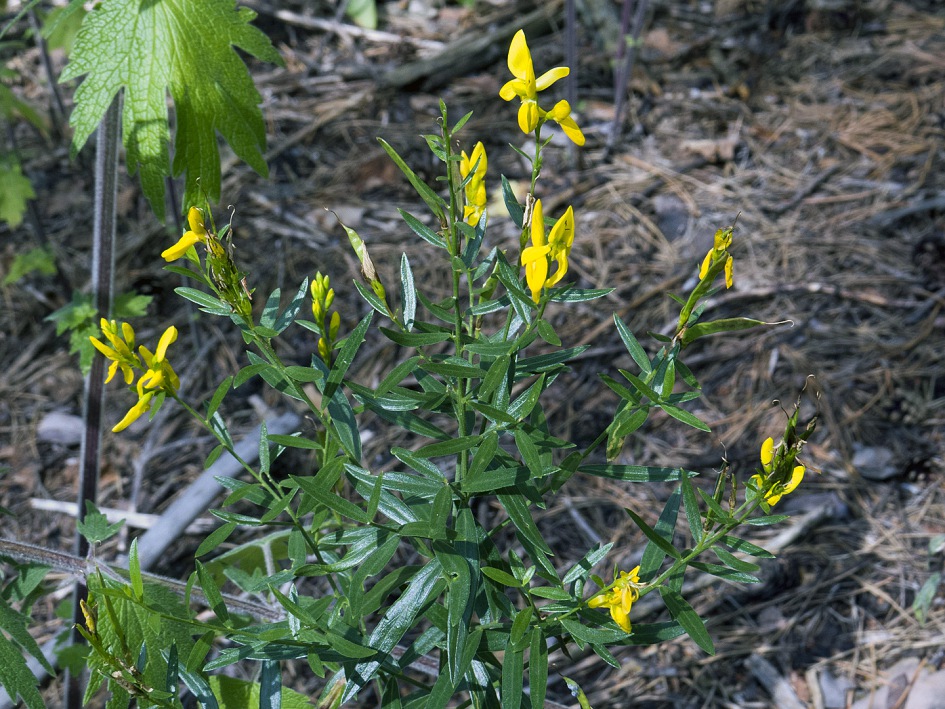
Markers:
(15, 190)
(61, 25)
(39, 259)
(95, 527)
(15, 676)
(80, 319)
(363, 13)
(188, 49)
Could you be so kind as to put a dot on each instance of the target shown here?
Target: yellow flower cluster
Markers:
(473, 167)
(770, 481)
(718, 253)
(158, 374)
(526, 87)
(323, 295)
(620, 597)
(556, 247)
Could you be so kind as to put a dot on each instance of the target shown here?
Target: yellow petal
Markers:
(513, 88)
(571, 130)
(796, 476)
(180, 248)
(169, 336)
(134, 413)
(706, 262)
(528, 116)
(562, 233)
(520, 59)
(536, 273)
(195, 220)
(621, 618)
(767, 454)
(103, 348)
(728, 272)
(111, 371)
(538, 225)
(550, 77)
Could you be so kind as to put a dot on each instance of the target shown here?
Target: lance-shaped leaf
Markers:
(702, 329)
(189, 49)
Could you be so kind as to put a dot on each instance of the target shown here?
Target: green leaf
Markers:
(291, 312)
(925, 597)
(39, 259)
(685, 417)
(724, 572)
(733, 561)
(583, 567)
(745, 547)
(399, 618)
(636, 473)
(434, 202)
(233, 693)
(577, 692)
(653, 535)
(134, 572)
(408, 293)
(502, 577)
(537, 668)
(188, 49)
(15, 190)
(215, 538)
(513, 666)
(578, 295)
(694, 332)
(95, 527)
(633, 346)
(693, 515)
(516, 211)
(449, 447)
(270, 685)
(363, 13)
(527, 531)
(212, 592)
(207, 303)
(15, 675)
(422, 230)
(415, 339)
(347, 354)
(684, 614)
(15, 625)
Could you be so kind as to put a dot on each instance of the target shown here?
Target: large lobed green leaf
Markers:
(186, 47)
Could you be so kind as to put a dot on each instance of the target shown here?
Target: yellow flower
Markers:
(525, 85)
(723, 240)
(557, 247)
(160, 374)
(620, 598)
(561, 114)
(476, 186)
(121, 351)
(136, 411)
(769, 465)
(535, 257)
(779, 490)
(197, 233)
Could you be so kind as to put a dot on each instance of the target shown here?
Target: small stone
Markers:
(875, 462)
(58, 427)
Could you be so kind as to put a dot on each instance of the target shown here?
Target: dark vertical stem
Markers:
(58, 109)
(571, 59)
(624, 71)
(103, 270)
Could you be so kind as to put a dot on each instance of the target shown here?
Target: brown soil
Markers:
(819, 124)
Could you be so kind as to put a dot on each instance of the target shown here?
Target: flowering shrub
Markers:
(389, 577)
